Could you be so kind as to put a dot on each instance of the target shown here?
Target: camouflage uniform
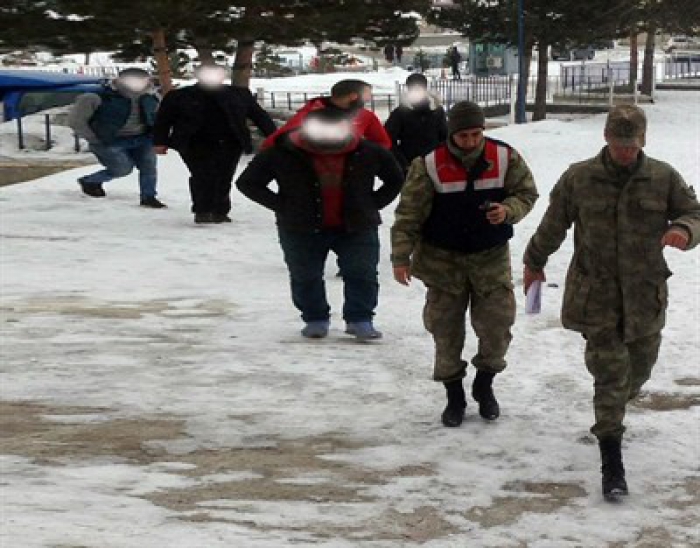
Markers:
(457, 281)
(616, 291)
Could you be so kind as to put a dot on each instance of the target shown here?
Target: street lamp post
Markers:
(520, 115)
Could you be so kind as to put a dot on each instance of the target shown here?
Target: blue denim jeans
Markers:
(120, 158)
(358, 257)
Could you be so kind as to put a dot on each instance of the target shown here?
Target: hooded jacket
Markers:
(365, 123)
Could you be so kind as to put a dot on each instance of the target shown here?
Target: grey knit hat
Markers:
(465, 115)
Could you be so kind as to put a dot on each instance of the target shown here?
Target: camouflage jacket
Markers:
(445, 269)
(617, 276)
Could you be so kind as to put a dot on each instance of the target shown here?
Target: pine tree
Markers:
(547, 23)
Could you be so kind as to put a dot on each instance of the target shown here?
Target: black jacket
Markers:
(182, 114)
(298, 204)
(415, 132)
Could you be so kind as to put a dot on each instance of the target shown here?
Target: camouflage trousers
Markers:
(491, 314)
(619, 369)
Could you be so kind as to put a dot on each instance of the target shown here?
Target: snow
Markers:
(34, 131)
(383, 81)
(186, 337)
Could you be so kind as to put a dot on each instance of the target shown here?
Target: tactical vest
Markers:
(114, 111)
(457, 220)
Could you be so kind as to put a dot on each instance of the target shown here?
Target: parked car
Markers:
(568, 53)
(560, 54)
(603, 44)
(681, 42)
(584, 52)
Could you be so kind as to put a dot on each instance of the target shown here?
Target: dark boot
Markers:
(220, 218)
(152, 202)
(94, 190)
(453, 415)
(614, 484)
(483, 393)
(203, 218)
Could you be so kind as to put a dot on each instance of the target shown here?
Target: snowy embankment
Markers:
(157, 393)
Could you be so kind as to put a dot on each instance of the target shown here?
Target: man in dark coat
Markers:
(206, 124)
(418, 125)
(454, 58)
(326, 202)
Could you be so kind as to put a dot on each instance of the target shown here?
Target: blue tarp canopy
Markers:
(16, 80)
(16, 85)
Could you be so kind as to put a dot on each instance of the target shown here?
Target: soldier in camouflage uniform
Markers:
(625, 207)
(451, 230)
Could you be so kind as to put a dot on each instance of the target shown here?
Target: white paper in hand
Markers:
(533, 298)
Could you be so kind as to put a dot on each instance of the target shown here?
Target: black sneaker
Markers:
(94, 190)
(220, 218)
(152, 202)
(203, 218)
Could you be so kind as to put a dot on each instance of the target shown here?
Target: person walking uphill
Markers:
(418, 125)
(348, 99)
(117, 123)
(625, 207)
(206, 124)
(451, 230)
(327, 202)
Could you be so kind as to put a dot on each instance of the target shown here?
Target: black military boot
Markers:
(453, 415)
(483, 393)
(614, 484)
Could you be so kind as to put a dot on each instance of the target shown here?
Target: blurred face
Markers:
(327, 132)
(211, 77)
(468, 139)
(416, 95)
(623, 152)
(134, 83)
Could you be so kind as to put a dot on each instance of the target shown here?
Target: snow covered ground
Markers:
(156, 392)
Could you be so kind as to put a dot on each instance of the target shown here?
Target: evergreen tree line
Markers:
(137, 28)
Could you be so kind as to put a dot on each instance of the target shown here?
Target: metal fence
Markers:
(294, 100)
(48, 137)
(587, 83)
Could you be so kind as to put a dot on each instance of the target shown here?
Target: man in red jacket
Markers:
(349, 97)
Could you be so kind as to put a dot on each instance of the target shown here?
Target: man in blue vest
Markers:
(451, 230)
(117, 123)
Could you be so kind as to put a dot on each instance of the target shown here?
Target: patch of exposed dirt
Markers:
(663, 401)
(26, 429)
(684, 530)
(422, 524)
(285, 470)
(529, 497)
(71, 305)
(688, 381)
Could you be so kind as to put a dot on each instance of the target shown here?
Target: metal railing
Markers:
(294, 100)
(588, 83)
(48, 136)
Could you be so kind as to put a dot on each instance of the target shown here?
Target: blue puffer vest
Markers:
(113, 113)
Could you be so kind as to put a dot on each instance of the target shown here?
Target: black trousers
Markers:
(212, 166)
